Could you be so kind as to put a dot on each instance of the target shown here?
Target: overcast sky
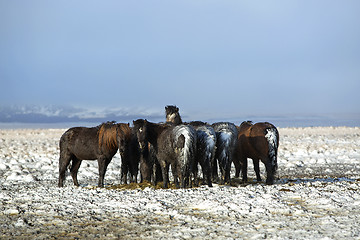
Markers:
(224, 58)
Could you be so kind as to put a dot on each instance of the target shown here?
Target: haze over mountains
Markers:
(70, 115)
(59, 114)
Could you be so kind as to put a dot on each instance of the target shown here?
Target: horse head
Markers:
(172, 114)
(141, 132)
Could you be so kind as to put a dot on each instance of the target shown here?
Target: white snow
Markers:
(317, 195)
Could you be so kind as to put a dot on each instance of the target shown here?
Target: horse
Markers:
(257, 141)
(205, 150)
(226, 134)
(150, 169)
(130, 160)
(82, 143)
(174, 145)
(206, 142)
(173, 115)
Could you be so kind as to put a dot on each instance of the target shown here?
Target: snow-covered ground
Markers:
(316, 196)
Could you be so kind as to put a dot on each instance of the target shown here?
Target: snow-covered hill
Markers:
(59, 114)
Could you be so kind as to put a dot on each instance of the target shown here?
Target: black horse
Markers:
(173, 115)
(206, 143)
(174, 145)
(205, 150)
(226, 134)
(101, 143)
(257, 141)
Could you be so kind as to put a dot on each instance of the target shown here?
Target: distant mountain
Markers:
(60, 114)
(50, 114)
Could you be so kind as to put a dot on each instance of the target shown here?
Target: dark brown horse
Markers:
(82, 143)
(130, 160)
(174, 145)
(259, 141)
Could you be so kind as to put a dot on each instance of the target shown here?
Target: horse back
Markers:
(81, 142)
(166, 144)
(254, 140)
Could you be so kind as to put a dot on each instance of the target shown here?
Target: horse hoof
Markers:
(270, 182)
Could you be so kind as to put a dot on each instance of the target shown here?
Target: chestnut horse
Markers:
(82, 143)
(174, 145)
(257, 141)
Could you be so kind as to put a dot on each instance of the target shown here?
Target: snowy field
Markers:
(316, 196)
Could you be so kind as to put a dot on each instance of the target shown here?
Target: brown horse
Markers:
(82, 143)
(257, 141)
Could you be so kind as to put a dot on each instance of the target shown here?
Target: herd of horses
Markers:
(153, 148)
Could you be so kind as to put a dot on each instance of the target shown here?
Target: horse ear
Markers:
(129, 124)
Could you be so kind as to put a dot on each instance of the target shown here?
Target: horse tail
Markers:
(186, 141)
(226, 134)
(272, 137)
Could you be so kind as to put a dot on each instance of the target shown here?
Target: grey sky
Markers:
(222, 58)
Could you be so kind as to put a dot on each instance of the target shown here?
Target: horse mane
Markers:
(107, 135)
(197, 123)
(124, 129)
(246, 123)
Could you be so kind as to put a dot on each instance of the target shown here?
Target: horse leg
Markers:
(134, 169)
(207, 173)
(74, 170)
(237, 165)
(145, 171)
(154, 178)
(257, 169)
(174, 170)
(214, 168)
(124, 170)
(103, 163)
(222, 172)
(157, 171)
(269, 172)
(165, 173)
(244, 164)
(195, 171)
(227, 172)
(134, 176)
(64, 162)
